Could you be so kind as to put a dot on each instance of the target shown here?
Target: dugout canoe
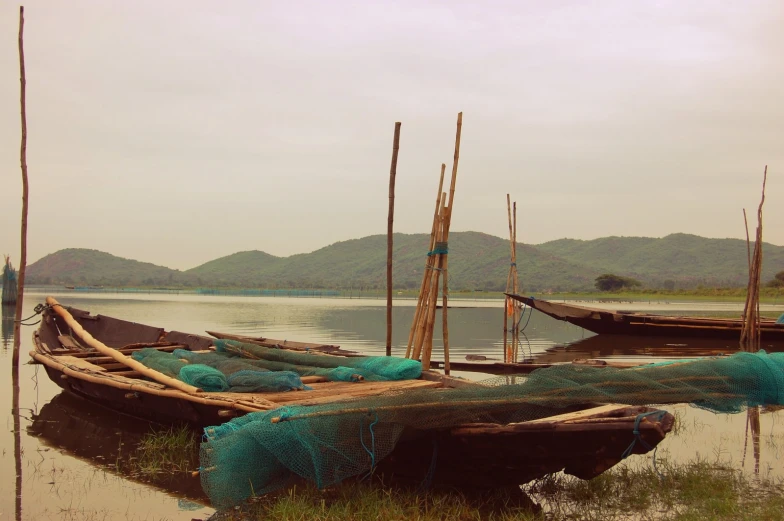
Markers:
(607, 322)
(582, 440)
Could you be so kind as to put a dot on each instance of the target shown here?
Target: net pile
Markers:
(265, 451)
(215, 372)
(240, 367)
(373, 368)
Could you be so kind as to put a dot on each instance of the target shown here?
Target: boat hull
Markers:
(606, 322)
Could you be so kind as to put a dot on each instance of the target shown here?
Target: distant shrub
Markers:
(610, 282)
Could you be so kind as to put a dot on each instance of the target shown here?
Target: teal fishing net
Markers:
(245, 381)
(228, 363)
(215, 372)
(265, 451)
(204, 377)
(161, 361)
(375, 367)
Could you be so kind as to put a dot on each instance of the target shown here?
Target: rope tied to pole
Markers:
(636, 432)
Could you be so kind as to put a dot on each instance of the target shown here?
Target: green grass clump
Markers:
(683, 491)
(354, 501)
(173, 450)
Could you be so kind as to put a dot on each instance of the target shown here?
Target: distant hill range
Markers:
(477, 262)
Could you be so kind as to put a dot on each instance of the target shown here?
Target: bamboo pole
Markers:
(445, 256)
(432, 300)
(421, 335)
(506, 402)
(25, 194)
(511, 307)
(445, 307)
(750, 332)
(99, 346)
(390, 220)
(428, 266)
(516, 308)
(141, 386)
(427, 302)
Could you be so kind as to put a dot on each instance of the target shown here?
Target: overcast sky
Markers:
(176, 132)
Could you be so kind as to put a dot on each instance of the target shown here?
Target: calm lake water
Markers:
(70, 451)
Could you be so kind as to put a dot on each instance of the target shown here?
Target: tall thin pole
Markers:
(390, 220)
(23, 161)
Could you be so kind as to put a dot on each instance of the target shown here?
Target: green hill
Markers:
(688, 260)
(236, 269)
(477, 262)
(80, 266)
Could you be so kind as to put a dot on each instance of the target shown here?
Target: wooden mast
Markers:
(25, 188)
(390, 221)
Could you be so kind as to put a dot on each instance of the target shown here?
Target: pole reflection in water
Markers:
(17, 440)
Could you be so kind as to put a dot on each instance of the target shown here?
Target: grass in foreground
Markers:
(684, 492)
(170, 451)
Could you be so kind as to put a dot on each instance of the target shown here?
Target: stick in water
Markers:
(25, 188)
(390, 220)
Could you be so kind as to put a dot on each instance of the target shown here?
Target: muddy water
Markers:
(74, 456)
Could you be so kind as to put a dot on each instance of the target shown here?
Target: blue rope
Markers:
(372, 451)
(636, 432)
(431, 472)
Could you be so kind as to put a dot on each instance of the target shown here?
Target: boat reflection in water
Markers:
(641, 348)
(107, 440)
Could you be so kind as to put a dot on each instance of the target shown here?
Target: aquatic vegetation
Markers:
(174, 450)
(692, 490)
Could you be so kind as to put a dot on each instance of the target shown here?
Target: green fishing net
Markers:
(265, 451)
(370, 367)
(215, 372)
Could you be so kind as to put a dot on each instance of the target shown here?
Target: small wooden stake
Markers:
(510, 348)
(23, 161)
(750, 332)
(390, 220)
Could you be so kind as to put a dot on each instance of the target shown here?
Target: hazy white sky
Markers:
(176, 132)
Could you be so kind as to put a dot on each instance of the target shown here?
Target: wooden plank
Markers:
(271, 342)
(97, 354)
(68, 342)
(335, 391)
(306, 398)
(78, 362)
(587, 413)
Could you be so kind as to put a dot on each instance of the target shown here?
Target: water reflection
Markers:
(105, 439)
(9, 312)
(17, 441)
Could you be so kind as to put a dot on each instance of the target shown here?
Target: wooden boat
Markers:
(583, 441)
(641, 324)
